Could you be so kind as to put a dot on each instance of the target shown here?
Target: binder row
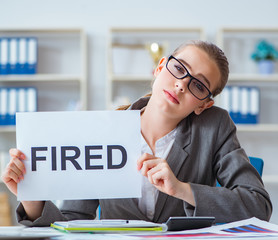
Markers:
(12, 100)
(18, 55)
(242, 103)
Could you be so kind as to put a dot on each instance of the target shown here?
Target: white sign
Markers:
(79, 155)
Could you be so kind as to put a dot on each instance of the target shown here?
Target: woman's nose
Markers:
(181, 84)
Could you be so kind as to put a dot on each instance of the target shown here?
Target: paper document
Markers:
(252, 228)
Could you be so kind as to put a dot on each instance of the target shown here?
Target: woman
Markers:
(186, 146)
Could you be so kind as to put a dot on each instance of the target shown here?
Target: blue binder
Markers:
(13, 56)
(32, 55)
(242, 103)
(22, 56)
(4, 54)
(12, 100)
(3, 106)
(12, 106)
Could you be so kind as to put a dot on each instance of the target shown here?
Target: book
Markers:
(108, 225)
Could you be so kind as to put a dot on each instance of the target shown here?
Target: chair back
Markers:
(258, 163)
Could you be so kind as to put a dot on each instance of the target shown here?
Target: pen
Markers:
(108, 221)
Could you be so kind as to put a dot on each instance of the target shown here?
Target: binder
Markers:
(22, 100)
(254, 105)
(4, 56)
(12, 100)
(32, 57)
(244, 105)
(226, 99)
(13, 56)
(12, 106)
(31, 99)
(235, 100)
(3, 106)
(22, 58)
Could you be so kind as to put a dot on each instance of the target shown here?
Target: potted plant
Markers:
(265, 54)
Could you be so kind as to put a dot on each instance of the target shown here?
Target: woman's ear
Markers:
(160, 65)
(205, 105)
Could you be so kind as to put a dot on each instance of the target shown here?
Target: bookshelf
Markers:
(259, 140)
(238, 44)
(61, 78)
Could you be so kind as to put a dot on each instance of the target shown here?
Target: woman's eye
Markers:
(179, 68)
(199, 87)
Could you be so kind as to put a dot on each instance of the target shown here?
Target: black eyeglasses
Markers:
(195, 86)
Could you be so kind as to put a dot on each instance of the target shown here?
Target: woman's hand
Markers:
(15, 170)
(162, 177)
(12, 175)
(158, 172)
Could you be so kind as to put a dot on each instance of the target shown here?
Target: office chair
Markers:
(258, 163)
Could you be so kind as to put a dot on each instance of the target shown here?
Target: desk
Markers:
(252, 229)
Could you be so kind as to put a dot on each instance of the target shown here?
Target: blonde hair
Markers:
(215, 53)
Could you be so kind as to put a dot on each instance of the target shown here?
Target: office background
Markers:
(97, 17)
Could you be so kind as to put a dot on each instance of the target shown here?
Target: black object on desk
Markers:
(187, 223)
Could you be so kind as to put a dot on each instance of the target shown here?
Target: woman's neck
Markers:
(155, 125)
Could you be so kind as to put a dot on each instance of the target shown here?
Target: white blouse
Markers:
(149, 192)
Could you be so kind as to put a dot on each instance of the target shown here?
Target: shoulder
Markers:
(214, 122)
(212, 116)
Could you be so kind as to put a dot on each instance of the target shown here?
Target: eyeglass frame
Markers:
(188, 75)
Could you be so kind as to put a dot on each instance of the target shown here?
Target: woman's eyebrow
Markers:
(200, 74)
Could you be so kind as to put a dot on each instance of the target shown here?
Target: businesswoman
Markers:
(187, 144)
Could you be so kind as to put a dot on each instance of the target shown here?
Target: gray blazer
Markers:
(206, 149)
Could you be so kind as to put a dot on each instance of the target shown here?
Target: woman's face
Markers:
(172, 95)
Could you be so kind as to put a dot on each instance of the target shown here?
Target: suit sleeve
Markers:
(70, 210)
(243, 194)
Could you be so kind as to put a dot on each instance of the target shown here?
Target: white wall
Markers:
(96, 17)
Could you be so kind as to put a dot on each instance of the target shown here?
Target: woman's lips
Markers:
(171, 96)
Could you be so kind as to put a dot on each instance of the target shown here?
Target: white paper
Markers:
(62, 130)
(244, 229)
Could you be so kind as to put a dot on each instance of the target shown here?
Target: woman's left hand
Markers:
(162, 177)
(158, 172)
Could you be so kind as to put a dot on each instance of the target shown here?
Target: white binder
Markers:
(12, 100)
(3, 106)
(22, 56)
(4, 56)
(32, 55)
(31, 100)
(13, 55)
(22, 100)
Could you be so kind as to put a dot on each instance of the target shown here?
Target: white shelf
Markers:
(39, 78)
(7, 129)
(257, 127)
(131, 78)
(253, 77)
(270, 178)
